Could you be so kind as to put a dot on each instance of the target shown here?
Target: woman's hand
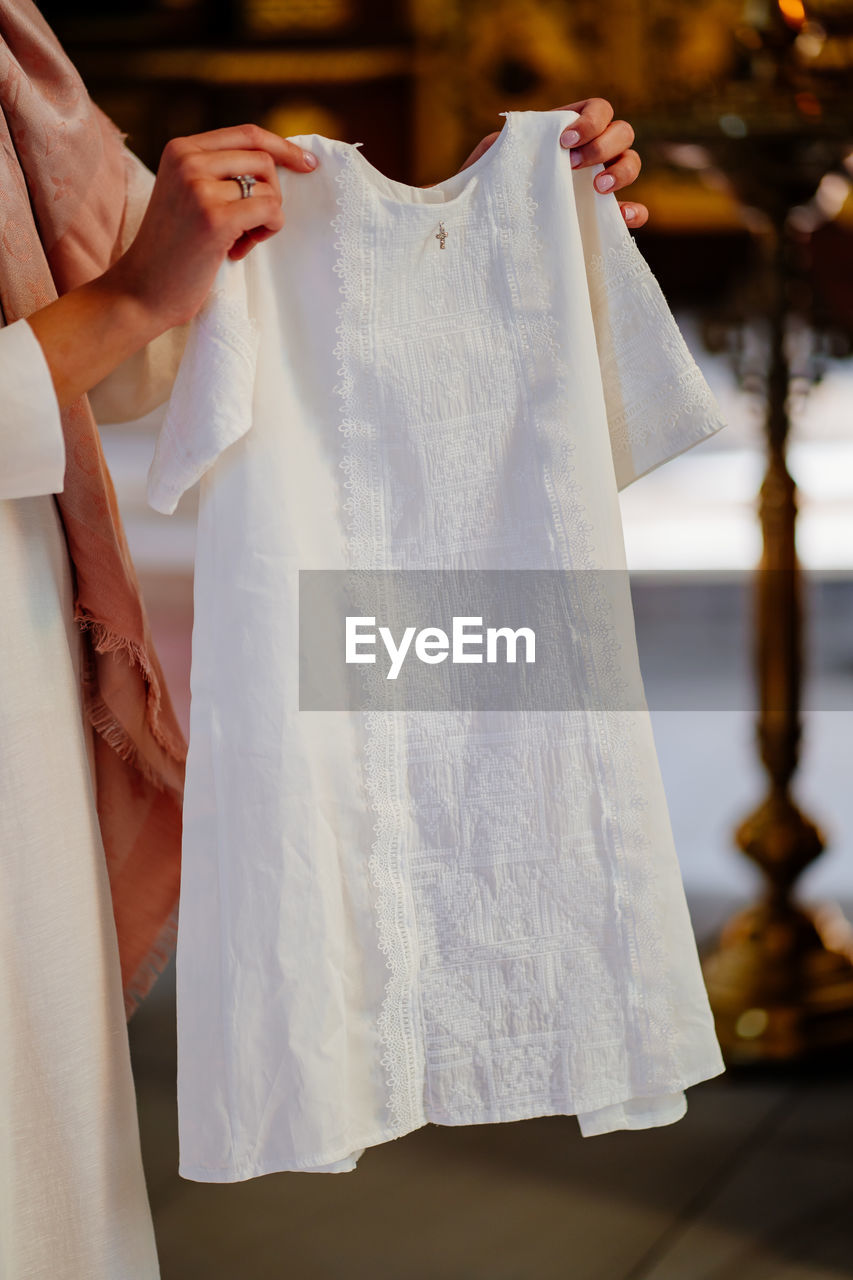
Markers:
(195, 217)
(596, 138)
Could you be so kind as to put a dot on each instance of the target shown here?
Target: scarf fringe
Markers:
(104, 640)
(114, 734)
(138, 987)
(119, 740)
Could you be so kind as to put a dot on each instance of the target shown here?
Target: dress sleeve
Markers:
(211, 403)
(145, 379)
(658, 402)
(32, 446)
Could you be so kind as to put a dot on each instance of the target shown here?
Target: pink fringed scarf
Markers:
(62, 207)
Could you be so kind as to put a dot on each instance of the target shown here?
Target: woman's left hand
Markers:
(596, 138)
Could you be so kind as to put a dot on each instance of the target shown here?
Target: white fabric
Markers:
(32, 447)
(388, 920)
(73, 1199)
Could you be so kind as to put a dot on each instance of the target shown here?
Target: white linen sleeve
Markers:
(658, 402)
(32, 446)
(211, 404)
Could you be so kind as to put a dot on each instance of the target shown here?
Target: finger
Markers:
(245, 243)
(615, 139)
(594, 115)
(635, 215)
(620, 173)
(257, 213)
(225, 164)
(249, 137)
(228, 191)
(481, 146)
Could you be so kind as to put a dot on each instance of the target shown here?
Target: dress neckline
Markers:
(451, 192)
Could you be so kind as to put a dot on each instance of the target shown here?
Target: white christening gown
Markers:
(389, 919)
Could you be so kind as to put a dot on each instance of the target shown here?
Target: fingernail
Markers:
(604, 182)
(576, 158)
(629, 214)
(310, 159)
(570, 138)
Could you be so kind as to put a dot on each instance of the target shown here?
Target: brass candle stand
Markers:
(780, 976)
(780, 979)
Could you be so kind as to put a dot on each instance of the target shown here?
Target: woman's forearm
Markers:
(89, 331)
(194, 217)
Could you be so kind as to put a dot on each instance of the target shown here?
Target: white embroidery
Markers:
(524, 1072)
(382, 745)
(633, 864)
(658, 402)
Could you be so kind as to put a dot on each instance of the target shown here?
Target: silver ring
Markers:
(247, 181)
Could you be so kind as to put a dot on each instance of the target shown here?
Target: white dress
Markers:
(73, 1199)
(389, 919)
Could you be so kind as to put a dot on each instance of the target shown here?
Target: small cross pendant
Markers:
(442, 235)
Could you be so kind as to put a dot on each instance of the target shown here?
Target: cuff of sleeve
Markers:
(32, 444)
(211, 404)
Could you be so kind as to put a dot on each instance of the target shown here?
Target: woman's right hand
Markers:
(196, 215)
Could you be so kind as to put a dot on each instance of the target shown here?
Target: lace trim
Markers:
(647, 984)
(656, 410)
(382, 748)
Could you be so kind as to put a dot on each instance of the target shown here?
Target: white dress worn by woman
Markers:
(390, 919)
(73, 1200)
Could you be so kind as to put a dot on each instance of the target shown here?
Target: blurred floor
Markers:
(755, 1183)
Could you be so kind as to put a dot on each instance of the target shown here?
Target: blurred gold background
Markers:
(419, 83)
(743, 112)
